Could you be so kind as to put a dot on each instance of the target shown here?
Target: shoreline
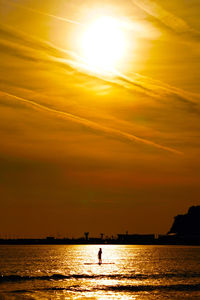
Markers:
(177, 242)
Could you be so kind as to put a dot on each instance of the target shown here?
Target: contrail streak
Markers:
(43, 13)
(167, 18)
(120, 79)
(92, 125)
(146, 85)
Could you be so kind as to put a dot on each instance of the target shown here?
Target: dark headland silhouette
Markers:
(188, 224)
(185, 230)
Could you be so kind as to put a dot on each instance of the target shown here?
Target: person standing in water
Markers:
(100, 256)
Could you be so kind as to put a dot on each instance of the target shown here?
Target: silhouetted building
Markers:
(50, 238)
(86, 235)
(136, 238)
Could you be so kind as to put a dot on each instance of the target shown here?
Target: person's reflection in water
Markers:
(100, 256)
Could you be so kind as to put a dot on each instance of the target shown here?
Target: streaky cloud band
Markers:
(92, 125)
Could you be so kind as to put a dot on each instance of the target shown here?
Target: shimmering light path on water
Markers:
(62, 272)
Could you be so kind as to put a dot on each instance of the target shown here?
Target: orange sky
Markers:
(86, 150)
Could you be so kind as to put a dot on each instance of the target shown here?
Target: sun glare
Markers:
(103, 44)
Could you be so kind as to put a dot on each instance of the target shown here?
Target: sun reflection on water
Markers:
(138, 272)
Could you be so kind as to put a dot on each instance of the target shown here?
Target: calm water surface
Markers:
(138, 272)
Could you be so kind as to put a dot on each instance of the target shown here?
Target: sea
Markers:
(72, 272)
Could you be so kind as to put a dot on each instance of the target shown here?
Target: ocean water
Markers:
(136, 272)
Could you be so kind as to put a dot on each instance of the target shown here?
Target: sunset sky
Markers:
(99, 115)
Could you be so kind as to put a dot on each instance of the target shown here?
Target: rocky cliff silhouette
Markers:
(188, 224)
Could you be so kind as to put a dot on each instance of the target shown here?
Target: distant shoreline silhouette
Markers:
(185, 230)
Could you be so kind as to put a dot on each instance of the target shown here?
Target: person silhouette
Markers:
(100, 256)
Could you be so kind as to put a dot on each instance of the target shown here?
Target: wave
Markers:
(121, 288)
(15, 278)
(148, 288)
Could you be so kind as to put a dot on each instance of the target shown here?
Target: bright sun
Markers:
(103, 44)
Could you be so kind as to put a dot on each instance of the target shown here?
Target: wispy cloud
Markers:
(111, 132)
(23, 46)
(27, 47)
(167, 18)
(160, 90)
(42, 13)
(8, 33)
(69, 59)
